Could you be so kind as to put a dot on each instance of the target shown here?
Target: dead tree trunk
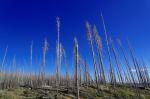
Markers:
(45, 48)
(57, 54)
(76, 66)
(112, 75)
(31, 55)
(99, 49)
(117, 62)
(89, 34)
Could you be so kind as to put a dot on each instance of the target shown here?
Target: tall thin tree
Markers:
(99, 48)
(57, 53)
(90, 40)
(112, 75)
(45, 49)
(76, 65)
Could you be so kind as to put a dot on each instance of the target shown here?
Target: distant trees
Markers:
(121, 63)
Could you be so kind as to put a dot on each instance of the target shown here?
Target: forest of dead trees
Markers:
(128, 71)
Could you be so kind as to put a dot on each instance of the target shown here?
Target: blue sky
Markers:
(22, 21)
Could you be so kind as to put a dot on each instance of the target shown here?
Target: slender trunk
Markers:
(99, 50)
(4, 58)
(31, 55)
(76, 65)
(112, 75)
(45, 48)
(135, 66)
(134, 61)
(117, 63)
(127, 63)
(129, 68)
(66, 67)
(92, 52)
(57, 54)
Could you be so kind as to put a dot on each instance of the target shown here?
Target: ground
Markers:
(85, 93)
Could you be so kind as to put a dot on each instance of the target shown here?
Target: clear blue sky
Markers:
(22, 21)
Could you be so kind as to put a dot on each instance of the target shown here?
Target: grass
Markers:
(85, 93)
